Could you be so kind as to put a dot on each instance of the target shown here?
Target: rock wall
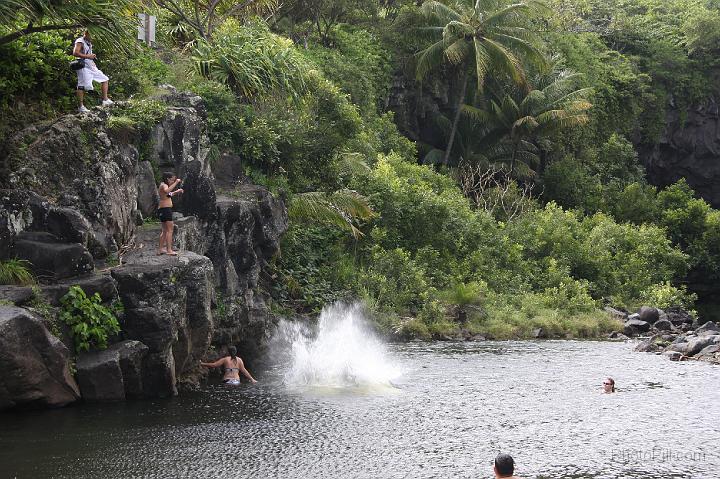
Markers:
(688, 148)
(79, 195)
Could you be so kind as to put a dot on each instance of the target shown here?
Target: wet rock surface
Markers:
(702, 343)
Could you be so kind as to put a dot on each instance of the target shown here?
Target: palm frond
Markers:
(439, 11)
(505, 59)
(476, 114)
(341, 208)
(352, 164)
(429, 59)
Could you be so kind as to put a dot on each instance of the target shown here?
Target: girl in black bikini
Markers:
(166, 191)
(233, 367)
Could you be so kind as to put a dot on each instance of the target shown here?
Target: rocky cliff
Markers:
(688, 148)
(81, 193)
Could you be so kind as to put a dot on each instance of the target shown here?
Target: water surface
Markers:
(455, 407)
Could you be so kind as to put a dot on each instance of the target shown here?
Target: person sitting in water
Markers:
(504, 467)
(166, 191)
(609, 386)
(233, 367)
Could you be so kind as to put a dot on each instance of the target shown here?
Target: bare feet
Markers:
(172, 253)
(161, 252)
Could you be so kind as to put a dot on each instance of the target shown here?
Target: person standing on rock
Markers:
(233, 367)
(89, 73)
(166, 191)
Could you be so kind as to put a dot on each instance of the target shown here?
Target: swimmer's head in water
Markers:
(232, 351)
(609, 385)
(168, 177)
(504, 465)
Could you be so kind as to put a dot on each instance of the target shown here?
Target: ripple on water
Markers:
(454, 408)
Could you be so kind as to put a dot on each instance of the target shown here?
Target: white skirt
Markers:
(89, 74)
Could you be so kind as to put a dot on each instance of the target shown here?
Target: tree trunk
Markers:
(10, 37)
(456, 120)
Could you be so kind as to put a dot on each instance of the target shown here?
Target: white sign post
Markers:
(146, 28)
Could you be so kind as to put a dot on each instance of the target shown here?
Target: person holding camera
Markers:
(88, 72)
(166, 191)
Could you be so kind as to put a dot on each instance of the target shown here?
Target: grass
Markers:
(16, 271)
(505, 317)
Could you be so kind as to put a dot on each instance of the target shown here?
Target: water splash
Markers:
(340, 352)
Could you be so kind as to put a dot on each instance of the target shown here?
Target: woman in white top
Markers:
(89, 74)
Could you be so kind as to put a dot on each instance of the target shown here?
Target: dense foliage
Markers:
(91, 323)
(532, 209)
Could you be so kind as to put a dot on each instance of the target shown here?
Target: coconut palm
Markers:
(477, 37)
(525, 121)
(110, 20)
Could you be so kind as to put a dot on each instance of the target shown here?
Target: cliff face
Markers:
(689, 148)
(81, 193)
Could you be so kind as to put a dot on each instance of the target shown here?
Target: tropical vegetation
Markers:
(462, 167)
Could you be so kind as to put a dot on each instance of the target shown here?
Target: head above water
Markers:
(232, 352)
(504, 465)
(609, 385)
(168, 177)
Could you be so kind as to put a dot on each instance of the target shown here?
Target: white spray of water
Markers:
(339, 352)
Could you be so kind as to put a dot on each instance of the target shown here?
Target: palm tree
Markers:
(525, 121)
(110, 20)
(477, 37)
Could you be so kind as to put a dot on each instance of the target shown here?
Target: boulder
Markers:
(18, 295)
(147, 196)
(132, 364)
(708, 328)
(634, 327)
(678, 316)
(113, 374)
(99, 376)
(651, 345)
(648, 314)
(229, 170)
(617, 335)
(673, 355)
(681, 348)
(663, 325)
(616, 313)
(34, 364)
(696, 345)
(539, 333)
(102, 284)
(168, 308)
(710, 350)
(50, 258)
(20, 210)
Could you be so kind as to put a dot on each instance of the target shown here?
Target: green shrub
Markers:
(90, 322)
(16, 271)
(665, 295)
